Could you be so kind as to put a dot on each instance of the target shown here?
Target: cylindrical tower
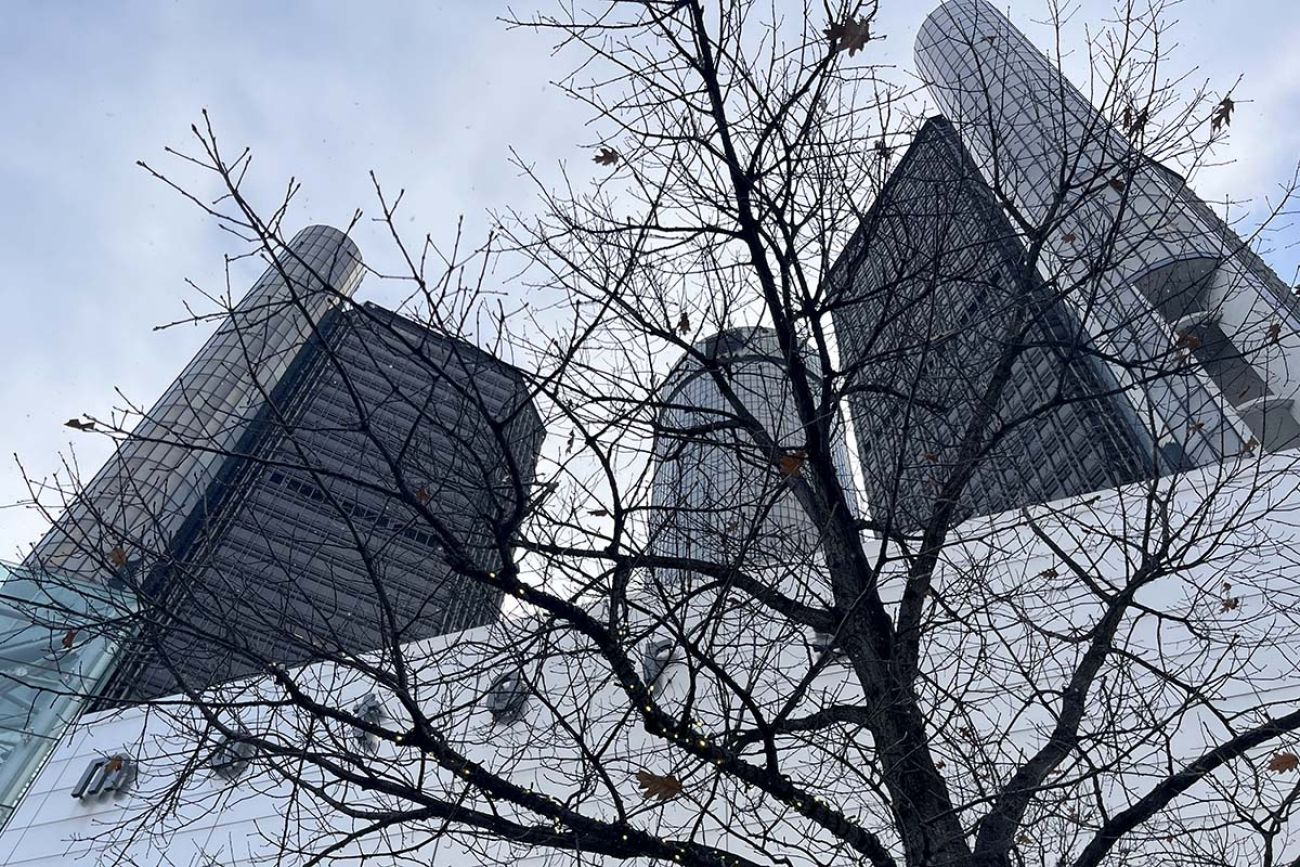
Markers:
(1151, 270)
(718, 496)
(140, 497)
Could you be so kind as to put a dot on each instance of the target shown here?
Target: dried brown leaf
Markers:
(1222, 114)
(665, 788)
(1282, 763)
(851, 35)
(791, 463)
(1134, 120)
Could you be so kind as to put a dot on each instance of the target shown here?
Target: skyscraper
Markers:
(388, 458)
(1202, 335)
(717, 495)
(308, 486)
(928, 296)
(158, 474)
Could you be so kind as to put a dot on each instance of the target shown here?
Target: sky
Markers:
(431, 96)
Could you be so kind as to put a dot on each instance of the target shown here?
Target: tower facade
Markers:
(1202, 335)
(389, 460)
(144, 492)
(717, 495)
(929, 296)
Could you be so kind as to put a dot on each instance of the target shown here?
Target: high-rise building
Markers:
(306, 487)
(718, 496)
(928, 296)
(388, 459)
(1200, 333)
(143, 493)
(64, 611)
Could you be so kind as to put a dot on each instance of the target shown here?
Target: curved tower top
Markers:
(1014, 108)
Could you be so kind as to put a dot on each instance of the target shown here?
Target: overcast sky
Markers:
(430, 95)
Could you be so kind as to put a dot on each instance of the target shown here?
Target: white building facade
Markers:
(1217, 640)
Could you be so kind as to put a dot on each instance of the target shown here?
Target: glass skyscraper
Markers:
(311, 485)
(1157, 340)
(388, 457)
(718, 496)
(1202, 335)
(151, 484)
(927, 296)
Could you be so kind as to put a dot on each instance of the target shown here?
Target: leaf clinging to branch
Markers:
(665, 788)
(850, 35)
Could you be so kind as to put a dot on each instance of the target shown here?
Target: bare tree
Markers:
(712, 653)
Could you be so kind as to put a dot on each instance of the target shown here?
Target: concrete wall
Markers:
(1017, 593)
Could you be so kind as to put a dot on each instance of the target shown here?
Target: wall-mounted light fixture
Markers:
(106, 774)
